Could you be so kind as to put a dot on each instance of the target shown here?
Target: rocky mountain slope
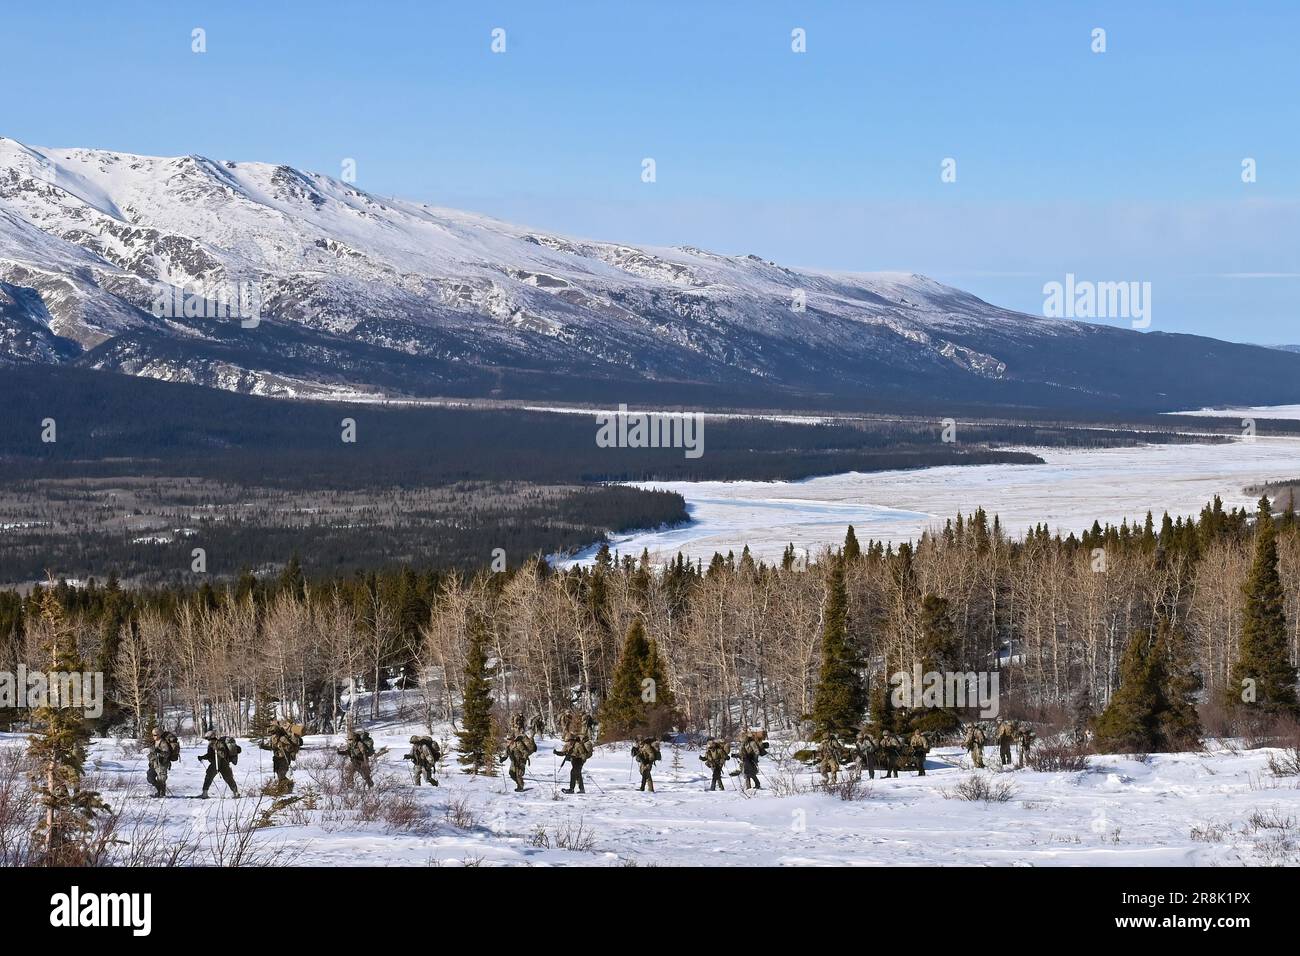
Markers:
(107, 260)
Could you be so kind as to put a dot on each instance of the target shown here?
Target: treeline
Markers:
(111, 425)
(464, 535)
(1066, 623)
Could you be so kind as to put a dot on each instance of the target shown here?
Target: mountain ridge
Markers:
(364, 294)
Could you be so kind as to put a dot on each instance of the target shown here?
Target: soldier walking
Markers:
(1006, 732)
(868, 752)
(715, 757)
(284, 745)
(891, 753)
(752, 747)
(537, 726)
(222, 754)
(646, 752)
(920, 747)
(518, 750)
(166, 750)
(974, 744)
(424, 756)
(360, 747)
(830, 757)
(1025, 738)
(577, 750)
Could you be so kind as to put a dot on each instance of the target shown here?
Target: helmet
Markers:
(210, 735)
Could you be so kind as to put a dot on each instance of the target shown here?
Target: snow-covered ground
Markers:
(1286, 412)
(1214, 808)
(1074, 488)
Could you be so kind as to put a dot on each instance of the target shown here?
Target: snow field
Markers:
(1220, 807)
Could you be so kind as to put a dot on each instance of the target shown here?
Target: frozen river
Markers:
(1074, 488)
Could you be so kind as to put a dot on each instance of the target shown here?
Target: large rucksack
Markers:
(173, 747)
(427, 750)
(580, 749)
(232, 749)
(368, 743)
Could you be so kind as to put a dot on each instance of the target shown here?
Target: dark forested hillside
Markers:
(109, 474)
(110, 424)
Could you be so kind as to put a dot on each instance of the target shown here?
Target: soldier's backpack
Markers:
(367, 743)
(232, 749)
(173, 746)
(530, 745)
(581, 749)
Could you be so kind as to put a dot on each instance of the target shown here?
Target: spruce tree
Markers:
(840, 697)
(263, 711)
(59, 753)
(938, 649)
(1081, 715)
(882, 716)
(1178, 720)
(1263, 680)
(292, 580)
(852, 550)
(1130, 723)
(787, 557)
(639, 700)
(620, 711)
(477, 736)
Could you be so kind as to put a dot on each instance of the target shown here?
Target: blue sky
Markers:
(1123, 165)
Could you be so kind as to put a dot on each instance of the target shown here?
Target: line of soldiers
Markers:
(1005, 733)
(872, 751)
(753, 745)
(521, 743)
(283, 740)
(886, 751)
(222, 754)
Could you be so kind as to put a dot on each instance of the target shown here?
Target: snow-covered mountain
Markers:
(355, 292)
